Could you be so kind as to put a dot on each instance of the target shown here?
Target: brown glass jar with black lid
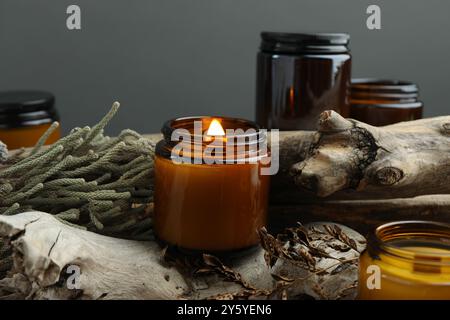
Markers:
(299, 76)
(25, 116)
(383, 102)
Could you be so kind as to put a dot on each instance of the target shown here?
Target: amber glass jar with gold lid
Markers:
(407, 260)
(211, 207)
(383, 102)
(25, 116)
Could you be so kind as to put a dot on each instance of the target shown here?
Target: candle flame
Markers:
(215, 129)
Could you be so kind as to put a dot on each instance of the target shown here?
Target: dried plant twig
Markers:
(87, 179)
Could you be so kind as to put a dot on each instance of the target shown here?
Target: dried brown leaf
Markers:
(339, 247)
(345, 238)
(212, 261)
(279, 277)
(337, 233)
(306, 256)
(163, 253)
(204, 270)
(222, 296)
(319, 291)
(229, 274)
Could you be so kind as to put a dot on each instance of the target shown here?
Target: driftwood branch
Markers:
(44, 251)
(347, 159)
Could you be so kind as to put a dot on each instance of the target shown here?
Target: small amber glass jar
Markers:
(212, 207)
(25, 116)
(406, 260)
(299, 76)
(383, 102)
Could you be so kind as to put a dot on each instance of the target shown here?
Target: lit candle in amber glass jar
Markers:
(407, 260)
(216, 198)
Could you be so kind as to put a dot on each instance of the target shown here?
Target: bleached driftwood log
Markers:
(347, 159)
(362, 176)
(44, 250)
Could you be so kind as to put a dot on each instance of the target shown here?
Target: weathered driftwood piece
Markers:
(347, 159)
(362, 176)
(362, 215)
(44, 249)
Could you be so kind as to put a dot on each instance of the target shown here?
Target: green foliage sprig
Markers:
(96, 182)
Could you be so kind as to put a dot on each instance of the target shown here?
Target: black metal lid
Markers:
(384, 93)
(22, 108)
(282, 42)
(383, 86)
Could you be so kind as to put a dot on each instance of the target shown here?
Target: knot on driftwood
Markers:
(446, 128)
(340, 156)
(401, 160)
(388, 176)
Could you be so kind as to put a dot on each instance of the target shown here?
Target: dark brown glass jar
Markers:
(382, 102)
(299, 76)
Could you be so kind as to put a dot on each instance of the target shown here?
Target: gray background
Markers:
(167, 58)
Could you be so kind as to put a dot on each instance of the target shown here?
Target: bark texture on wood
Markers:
(44, 249)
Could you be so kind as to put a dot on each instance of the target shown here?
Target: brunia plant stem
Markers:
(87, 179)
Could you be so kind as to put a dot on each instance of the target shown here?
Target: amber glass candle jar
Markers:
(411, 259)
(299, 76)
(204, 206)
(25, 116)
(383, 102)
